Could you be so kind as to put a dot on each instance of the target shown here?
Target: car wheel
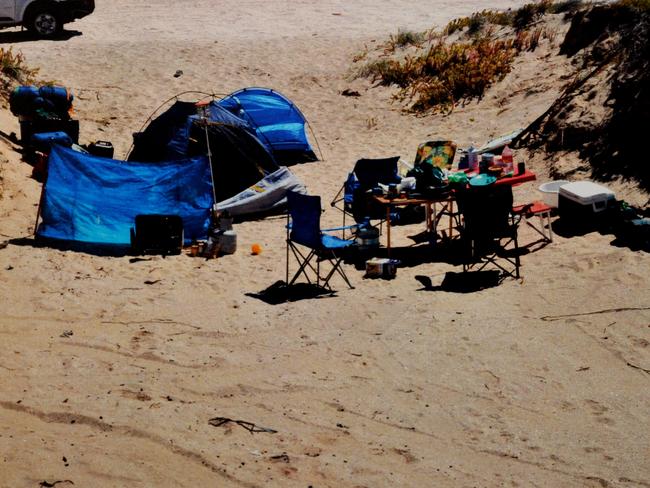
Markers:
(45, 23)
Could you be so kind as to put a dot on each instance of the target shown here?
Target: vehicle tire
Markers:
(44, 22)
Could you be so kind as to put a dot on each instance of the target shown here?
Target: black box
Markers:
(103, 149)
(30, 127)
(157, 234)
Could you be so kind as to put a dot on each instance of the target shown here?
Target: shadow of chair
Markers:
(308, 242)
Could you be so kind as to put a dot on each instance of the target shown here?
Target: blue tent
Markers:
(94, 200)
(239, 158)
(277, 121)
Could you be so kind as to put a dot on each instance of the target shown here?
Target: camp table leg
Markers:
(38, 210)
(430, 211)
(451, 218)
(388, 229)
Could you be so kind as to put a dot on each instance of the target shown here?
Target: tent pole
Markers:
(207, 143)
(38, 210)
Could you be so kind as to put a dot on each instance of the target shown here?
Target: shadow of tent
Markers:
(104, 250)
(279, 293)
(468, 282)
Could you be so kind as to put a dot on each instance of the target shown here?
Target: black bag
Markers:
(429, 179)
(30, 127)
(157, 234)
(103, 149)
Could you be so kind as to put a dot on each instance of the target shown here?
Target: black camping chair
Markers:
(303, 229)
(489, 229)
(354, 199)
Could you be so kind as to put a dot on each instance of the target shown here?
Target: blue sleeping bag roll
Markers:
(59, 96)
(43, 141)
(25, 100)
(21, 100)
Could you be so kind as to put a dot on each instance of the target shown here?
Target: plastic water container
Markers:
(226, 242)
(507, 159)
(472, 158)
(550, 192)
(367, 237)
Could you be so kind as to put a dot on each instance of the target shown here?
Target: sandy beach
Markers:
(111, 369)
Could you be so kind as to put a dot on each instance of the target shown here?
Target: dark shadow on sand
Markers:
(80, 247)
(468, 282)
(279, 292)
(18, 36)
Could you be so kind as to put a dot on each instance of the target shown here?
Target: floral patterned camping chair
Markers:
(436, 153)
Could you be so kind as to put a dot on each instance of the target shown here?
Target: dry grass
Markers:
(639, 5)
(13, 69)
(447, 72)
(442, 72)
(520, 19)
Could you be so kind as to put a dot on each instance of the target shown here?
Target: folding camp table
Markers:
(430, 206)
(447, 201)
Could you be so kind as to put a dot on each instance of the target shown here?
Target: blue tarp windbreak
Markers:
(95, 200)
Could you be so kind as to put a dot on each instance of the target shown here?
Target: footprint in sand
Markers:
(599, 412)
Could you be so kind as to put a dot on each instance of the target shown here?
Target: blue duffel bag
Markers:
(43, 141)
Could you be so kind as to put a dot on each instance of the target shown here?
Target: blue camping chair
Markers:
(303, 228)
(354, 200)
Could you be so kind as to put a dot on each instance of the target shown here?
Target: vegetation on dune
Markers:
(441, 72)
(13, 69)
(405, 38)
(519, 19)
(446, 72)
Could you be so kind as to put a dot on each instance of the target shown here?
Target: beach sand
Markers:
(111, 369)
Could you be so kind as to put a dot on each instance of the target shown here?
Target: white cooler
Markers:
(584, 200)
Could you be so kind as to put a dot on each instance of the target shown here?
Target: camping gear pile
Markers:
(44, 109)
(203, 159)
(486, 219)
(46, 119)
(198, 165)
